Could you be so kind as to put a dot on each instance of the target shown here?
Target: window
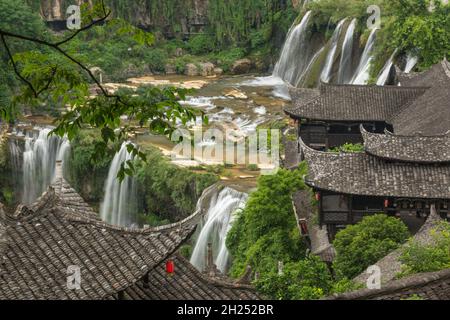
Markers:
(335, 203)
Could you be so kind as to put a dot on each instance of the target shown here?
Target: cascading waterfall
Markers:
(302, 79)
(119, 206)
(345, 66)
(326, 71)
(294, 56)
(384, 74)
(39, 160)
(214, 229)
(411, 61)
(362, 73)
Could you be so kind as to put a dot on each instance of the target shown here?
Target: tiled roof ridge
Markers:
(50, 200)
(215, 281)
(407, 148)
(53, 198)
(325, 85)
(401, 285)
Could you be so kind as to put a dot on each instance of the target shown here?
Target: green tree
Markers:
(307, 279)
(53, 74)
(266, 232)
(418, 258)
(361, 245)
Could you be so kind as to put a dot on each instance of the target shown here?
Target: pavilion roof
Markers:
(351, 102)
(363, 174)
(428, 114)
(418, 149)
(187, 283)
(39, 243)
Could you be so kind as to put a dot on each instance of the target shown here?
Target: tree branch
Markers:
(56, 46)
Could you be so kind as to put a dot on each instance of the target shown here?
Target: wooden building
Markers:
(330, 116)
(400, 183)
(405, 166)
(43, 244)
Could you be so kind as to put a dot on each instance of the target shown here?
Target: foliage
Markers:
(303, 280)
(186, 251)
(345, 285)
(435, 256)
(361, 245)
(169, 192)
(153, 220)
(348, 148)
(409, 27)
(234, 22)
(156, 60)
(86, 173)
(201, 44)
(266, 232)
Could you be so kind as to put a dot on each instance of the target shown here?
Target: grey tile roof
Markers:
(420, 149)
(429, 114)
(44, 240)
(363, 174)
(187, 283)
(352, 102)
(428, 286)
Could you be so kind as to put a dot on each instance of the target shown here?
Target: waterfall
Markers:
(119, 204)
(384, 74)
(294, 56)
(411, 61)
(345, 66)
(214, 228)
(39, 160)
(302, 79)
(362, 73)
(326, 71)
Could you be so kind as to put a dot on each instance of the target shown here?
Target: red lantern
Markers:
(318, 196)
(304, 227)
(386, 203)
(170, 267)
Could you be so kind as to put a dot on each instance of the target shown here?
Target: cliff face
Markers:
(148, 14)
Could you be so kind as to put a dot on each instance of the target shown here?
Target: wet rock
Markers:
(170, 69)
(206, 69)
(179, 52)
(235, 93)
(191, 70)
(241, 66)
(218, 71)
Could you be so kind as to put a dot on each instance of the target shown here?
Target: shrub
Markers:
(417, 258)
(361, 245)
(349, 148)
(266, 232)
(304, 280)
(201, 44)
(156, 60)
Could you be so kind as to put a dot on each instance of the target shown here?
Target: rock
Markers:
(170, 69)
(235, 93)
(241, 66)
(218, 71)
(179, 52)
(206, 69)
(191, 70)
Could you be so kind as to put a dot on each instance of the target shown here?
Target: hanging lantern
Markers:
(304, 227)
(170, 267)
(318, 196)
(386, 203)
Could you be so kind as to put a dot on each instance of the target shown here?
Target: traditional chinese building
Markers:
(405, 166)
(58, 248)
(331, 115)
